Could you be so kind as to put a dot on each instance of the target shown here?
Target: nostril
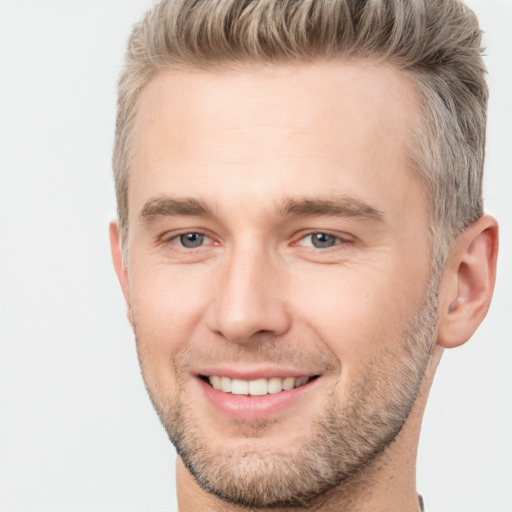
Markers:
(262, 331)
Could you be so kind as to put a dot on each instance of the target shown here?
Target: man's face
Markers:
(278, 249)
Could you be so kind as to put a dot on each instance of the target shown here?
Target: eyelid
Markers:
(172, 236)
(342, 238)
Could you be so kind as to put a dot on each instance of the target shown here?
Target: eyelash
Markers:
(340, 242)
(176, 239)
(337, 240)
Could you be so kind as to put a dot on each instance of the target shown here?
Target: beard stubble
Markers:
(345, 441)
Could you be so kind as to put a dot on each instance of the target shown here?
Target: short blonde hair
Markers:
(436, 42)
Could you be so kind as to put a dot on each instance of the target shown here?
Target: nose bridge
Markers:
(248, 299)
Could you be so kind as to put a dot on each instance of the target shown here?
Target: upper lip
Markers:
(253, 373)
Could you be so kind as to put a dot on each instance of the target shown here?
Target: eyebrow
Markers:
(336, 207)
(170, 206)
(167, 206)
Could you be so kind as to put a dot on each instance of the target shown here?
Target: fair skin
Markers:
(277, 230)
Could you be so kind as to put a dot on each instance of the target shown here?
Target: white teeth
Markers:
(225, 383)
(275, 385)
(301, 381)
(216, 382)
(239, 387)
(257, 387)
(288, 383)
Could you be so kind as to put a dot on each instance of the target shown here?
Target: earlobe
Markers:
(117, 258)
(468, 282)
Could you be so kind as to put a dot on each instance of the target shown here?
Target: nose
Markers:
(250, 298)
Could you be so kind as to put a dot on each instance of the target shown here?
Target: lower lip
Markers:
(251, 408)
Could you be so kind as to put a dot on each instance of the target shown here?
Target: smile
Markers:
(256, 387)
(261, 395)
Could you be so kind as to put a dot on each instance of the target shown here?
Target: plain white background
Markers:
(77, 432)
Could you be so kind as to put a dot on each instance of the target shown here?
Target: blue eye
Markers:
(323, 240)
(191, 240)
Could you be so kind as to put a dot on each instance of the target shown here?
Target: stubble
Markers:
(345, 441)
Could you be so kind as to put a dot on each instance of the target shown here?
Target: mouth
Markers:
(256, 387)
(256, 394)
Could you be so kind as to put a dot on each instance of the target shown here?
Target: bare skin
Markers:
(277, 228)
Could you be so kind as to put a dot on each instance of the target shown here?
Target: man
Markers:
(300, 235)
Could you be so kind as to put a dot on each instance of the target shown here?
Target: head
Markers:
(293, 180)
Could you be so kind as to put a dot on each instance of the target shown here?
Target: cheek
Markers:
(358, 314)
(167, 306)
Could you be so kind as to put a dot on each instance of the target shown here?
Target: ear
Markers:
(117, 258)
(468, 282)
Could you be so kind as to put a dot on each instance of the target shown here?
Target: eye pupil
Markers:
(191, 240)
(322, 240)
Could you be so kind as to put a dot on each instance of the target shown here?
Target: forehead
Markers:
(295, 130)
